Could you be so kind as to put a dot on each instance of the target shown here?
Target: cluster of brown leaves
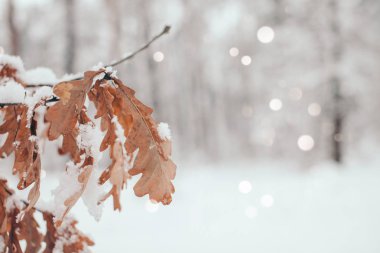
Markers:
(22, 141)
(117, 105)
(67, 238)
(131, 138)
(117, 108)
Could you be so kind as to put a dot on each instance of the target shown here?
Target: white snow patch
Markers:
(32, 100)
(68, 186)
(89, 140)
(13, 202)
(164, 131)
(42, 93)
(98, 66)
(107, 69)
(12, 92)
(86, 102)
(39, 75)
(2, 244)
(92, 194)
(12, 61)
(119, 130)
(85, 139)
(69, 77)
(98, 77)
(45, 205)
(345, 200)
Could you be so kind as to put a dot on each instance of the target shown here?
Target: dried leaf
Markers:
(22, 140)
(10, 127)
(4, 193)
(33, 195)
(116, 174)
(64, 115)
(27, 158)
(13, 240)
(113, 98)
(153, 158)
(66, 239)
(51, 233)
(101, 96)
(29, 232)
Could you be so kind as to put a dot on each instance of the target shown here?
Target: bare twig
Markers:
(164, 31)
(130, 56)
(8, 104)
(10, 193)
(124, 59)
(53, 99)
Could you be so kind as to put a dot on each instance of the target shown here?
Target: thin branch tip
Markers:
(167, 29)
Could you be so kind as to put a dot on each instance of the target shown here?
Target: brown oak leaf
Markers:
(10, 127)
(153, 158)
(22, 141)
(29, 232)
(63, 116)
(102, 97)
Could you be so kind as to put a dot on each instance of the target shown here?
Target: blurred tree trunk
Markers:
(279, 12)
(113, 8)
(71, 38)
(335, 82)
(200, 102)
(13, 33)
(319, 28)
(151, 65)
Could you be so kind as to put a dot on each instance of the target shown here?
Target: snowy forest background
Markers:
(321, 66)
(273, 105)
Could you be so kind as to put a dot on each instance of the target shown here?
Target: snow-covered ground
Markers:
(248, 207)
